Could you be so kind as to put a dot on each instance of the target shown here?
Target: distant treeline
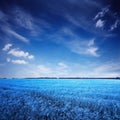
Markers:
(66, 78)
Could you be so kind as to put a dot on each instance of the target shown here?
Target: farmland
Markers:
(59, 99)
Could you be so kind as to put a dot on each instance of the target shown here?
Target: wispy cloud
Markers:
(7, 28)
(22, 18)
(62, 69)
(102, 19)
(100, 23)
(44, 69)
(84, 47)
(75, 43)
(102, 13)
(16, 61)
(20, 53)
(16, 35)
(115, 25)
(26, 20)
(62, 65)
(81, 22)
(7, 47)
(108, 67)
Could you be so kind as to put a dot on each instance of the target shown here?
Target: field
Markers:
(59, 99)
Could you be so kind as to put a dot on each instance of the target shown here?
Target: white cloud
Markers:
(7, 47)
(16, 35)
(32, 70)
(102, 12)
(75, 43)
(108, 67)
(88, 69)
(62, 70)
(16, 61)
(115, 25)
(30, 56)
(19, 61)
(99, 23)
(81, 21)
(44, 69)
(20, 53)
(84, 47)
(62, 65)
(93, 51)
(91, 42)
(23, 19)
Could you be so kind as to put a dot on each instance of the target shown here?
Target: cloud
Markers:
(75, 43)
(102, 12)
(84, 47)
(44, 69)
(108, 67)
(99, 23)
(19, 61)
(93, 51)
(62, 65)
(22, 18)
(7, 27)
(17, 53)
(16, 35)
(7, 47)
(62, 70)
(115, 25)
(81, 22)
(20, 53)
(16, 61)
(25, 20)
(19, 19)
(30, 57)
(109, 16)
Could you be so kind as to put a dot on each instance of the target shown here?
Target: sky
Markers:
(59, 38)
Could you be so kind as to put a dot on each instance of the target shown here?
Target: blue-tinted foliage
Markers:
(59, 99)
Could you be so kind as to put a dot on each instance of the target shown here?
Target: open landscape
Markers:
(59, 59)
(59, 99)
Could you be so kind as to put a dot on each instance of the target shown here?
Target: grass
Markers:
(59, 100)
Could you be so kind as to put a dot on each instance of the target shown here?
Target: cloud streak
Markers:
(16, 35)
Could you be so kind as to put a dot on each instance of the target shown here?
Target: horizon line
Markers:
(59, 77)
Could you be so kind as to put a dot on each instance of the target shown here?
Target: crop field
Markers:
(59, 99)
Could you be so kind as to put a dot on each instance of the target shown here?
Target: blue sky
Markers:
(59, 38)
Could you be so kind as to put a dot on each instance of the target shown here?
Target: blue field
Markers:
(59, 99)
